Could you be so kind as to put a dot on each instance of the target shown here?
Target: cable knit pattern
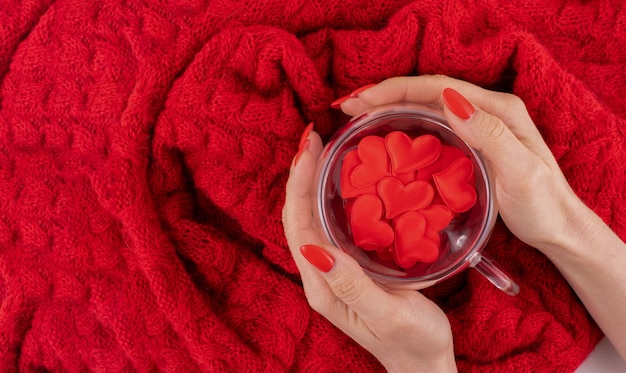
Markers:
(145, 146)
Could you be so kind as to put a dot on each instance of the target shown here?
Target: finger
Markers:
(314, 146)
(298, 205)
(509, 158)
(297, 215)
(349, 284)
(426, 89)
(297, 210)
(355, 107)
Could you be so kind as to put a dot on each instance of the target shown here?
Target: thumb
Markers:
(348, 282)
(486, 133)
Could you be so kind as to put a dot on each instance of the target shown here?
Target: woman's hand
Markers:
(534, 198)
(404, 330)
(528, 181)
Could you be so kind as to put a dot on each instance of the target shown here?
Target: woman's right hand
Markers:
(528, 180)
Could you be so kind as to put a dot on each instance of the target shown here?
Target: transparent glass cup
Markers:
(462, 241)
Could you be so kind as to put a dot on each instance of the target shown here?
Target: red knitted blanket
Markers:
(144, 149)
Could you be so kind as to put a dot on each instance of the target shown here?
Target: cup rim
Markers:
(434, 115)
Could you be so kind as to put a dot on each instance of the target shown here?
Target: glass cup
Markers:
(462, 241)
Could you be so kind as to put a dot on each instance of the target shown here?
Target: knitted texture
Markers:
(145, 146)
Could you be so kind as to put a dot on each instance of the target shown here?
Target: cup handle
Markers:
(494, 273)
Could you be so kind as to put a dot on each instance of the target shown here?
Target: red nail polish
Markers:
(458, 104)
(318, 257)
(305, 135)
(337, 103)
(304, 143)
(299, 153)
(355, 94)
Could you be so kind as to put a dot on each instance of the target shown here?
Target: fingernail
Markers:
(458, 104)
(355, 94)
(305, 135)
(337, 103)
(299, 153)
(304, 143)
(318, 257)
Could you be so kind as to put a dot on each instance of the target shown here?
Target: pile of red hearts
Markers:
(400, 193)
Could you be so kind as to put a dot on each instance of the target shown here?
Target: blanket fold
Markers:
(145, 146)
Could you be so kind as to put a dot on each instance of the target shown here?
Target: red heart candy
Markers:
(437, 217)
(447, 155)
(407, 155)
(347, 190)
(437, 200)
(368, 231)
(385, 255)
(375, 162)
(407, 177)
(454, 185)
(388, 249)
(399, 198)
(410, 245)
(433, 236)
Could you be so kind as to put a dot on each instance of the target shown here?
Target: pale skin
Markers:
(404, 330)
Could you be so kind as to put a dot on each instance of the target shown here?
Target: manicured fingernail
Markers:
(318, 257)
(355, 94)
(304, 143)
(337, 103)
(304, 147)
(458, 104)
(305, 135)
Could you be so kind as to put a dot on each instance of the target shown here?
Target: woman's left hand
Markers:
(404, 330)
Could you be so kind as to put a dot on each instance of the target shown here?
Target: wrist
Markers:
(580, 227)
(570, 216)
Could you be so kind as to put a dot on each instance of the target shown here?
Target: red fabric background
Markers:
(144, 149)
